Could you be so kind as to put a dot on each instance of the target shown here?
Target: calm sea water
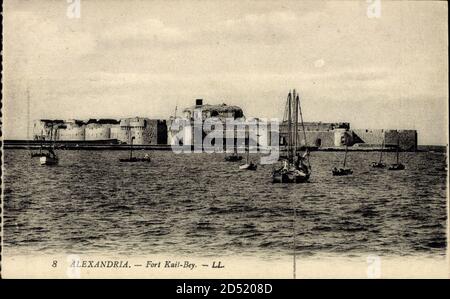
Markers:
(200, 204)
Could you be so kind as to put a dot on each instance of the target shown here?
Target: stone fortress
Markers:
(148, 131)
(144, 130)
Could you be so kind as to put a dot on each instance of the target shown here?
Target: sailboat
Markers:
(33, 154)
(40, 153)
(234, 157)
(293, 171)
(49, 158)
(397, 165)
(343, 171)
(48, 155)
(380, 164)
(134, 159)
(249, 165)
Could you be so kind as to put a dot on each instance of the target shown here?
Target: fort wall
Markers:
(369, 136)
(97, 132)
(144, 130)
(154, 131)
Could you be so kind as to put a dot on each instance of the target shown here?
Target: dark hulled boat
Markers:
(290, 175)
(379, 164)
(233, 158)
(397, 165)
(343, 171)
(41, 152)
(37, 154)
(49, 158)
(47, 155)
(249, 165)
(132, 159)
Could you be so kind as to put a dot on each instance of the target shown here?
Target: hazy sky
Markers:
(143, 58)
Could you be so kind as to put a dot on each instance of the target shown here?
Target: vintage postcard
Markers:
(224, 139)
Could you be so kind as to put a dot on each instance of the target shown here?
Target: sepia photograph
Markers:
(224, 139)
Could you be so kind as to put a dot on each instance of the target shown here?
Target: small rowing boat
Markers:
(132, 159)
(397, 165)
(343, 171)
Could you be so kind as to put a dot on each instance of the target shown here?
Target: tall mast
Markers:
(382, 148)
(346, 148)
(131, 148)
(247, 145)
(28, 114)
(235, 142)
(296, 124)
(303, 128)
(248, 155)
(289, 127)
(398, 145)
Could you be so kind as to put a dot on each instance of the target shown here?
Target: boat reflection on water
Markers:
(378, 165)
(134, 159)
